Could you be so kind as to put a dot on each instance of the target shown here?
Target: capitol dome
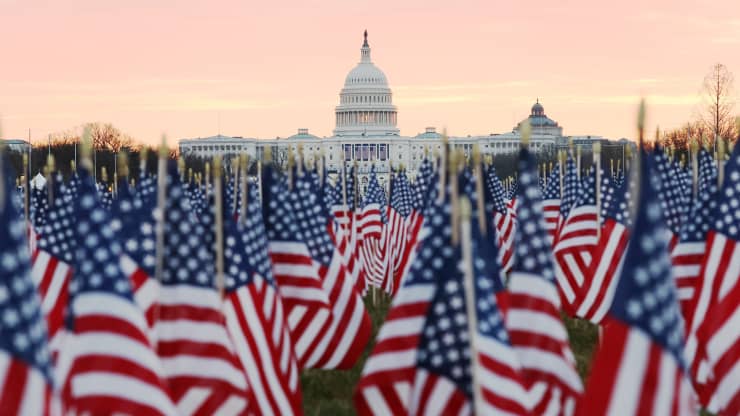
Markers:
(540, 122)
(366, 101)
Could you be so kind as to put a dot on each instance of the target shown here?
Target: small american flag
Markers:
(51, 263)
(504, 218)
(597, 292)
(306, 303)
(107, 363)
(670, 196)
(348, 329)
(713, 341)
(537, 332)
(687, 256)
(576, 241)
(26, 382)
(390, 371)
(571, 185)
(202, 369)
(551, 204)
(256, 318)
(370, 224)
(403, 228)
(499, 371)
(639, 367)
(135, 224)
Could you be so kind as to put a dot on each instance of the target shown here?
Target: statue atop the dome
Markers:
(365, 43)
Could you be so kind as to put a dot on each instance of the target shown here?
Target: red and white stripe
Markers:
(500, 379)
(597, 293)
(255, 318)
(687, 258)
(344, 337)
(23, 389)
(146, 291)
(306, 303)
(713, 340)
(573, 251)
(506, 230)
(108, 362)
(414, 224)
(390, 370)
(345, 240)
(436, 395)
(370, 228)
(634, 376)
(51, 277)
(551, 208)
(541, 343)
(199, 360)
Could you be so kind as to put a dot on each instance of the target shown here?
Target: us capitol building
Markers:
(366, 132)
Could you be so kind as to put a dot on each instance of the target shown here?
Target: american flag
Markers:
(499, 370)
(713, 341)
(348, 329)
(670, 196)
(202, 369)
(425, 181)
(345, 235)
(576, 241)
(370, 225)
(51, 262)
(404, 225)
(551, 204)
(639, 367)
(571, 186)
(107, 363)
(297, 276)
(537, 332)
(39, 207)
(389, 373)
(135, 225)
(504, 219)
(687, 256)
(256, 318)
(443, 378)
(597, 292)
(26, 381)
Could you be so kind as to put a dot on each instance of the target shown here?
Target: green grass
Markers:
(330, 392)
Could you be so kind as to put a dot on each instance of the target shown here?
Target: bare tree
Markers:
(70, 136)
(107, 137)
(717, 114)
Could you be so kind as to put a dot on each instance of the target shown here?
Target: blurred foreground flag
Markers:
(639, 367)
(25, 369)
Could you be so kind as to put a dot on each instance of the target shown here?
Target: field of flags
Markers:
(181, 298)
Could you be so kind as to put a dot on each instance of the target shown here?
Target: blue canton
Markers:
(533, 254)
(727, 213)
(402, 197)
(98, 251)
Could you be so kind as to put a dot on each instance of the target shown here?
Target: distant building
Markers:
(366, 132)
(16, 145)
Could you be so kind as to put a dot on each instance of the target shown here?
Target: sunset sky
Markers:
(266, 68)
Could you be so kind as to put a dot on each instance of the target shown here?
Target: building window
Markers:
(358, 152)
(365, 152)
(382, 155)
(372, 152)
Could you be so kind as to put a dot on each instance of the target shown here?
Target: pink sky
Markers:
(269, 68)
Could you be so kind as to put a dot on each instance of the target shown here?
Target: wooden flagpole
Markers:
(218, 223)
(468, 283)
